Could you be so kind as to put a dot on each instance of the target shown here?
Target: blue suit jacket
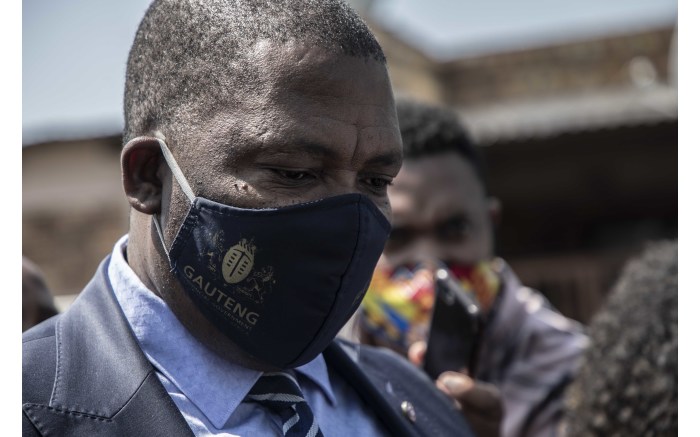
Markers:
(83, 374)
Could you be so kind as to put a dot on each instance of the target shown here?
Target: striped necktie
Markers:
(280, 392)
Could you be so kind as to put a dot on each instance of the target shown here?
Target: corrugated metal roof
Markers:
(551, 116)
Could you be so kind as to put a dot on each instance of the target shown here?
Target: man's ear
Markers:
(141, 160)
(495, 210)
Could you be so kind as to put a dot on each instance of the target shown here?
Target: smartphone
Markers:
(454, 327)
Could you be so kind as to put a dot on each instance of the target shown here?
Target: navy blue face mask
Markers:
(279, 282)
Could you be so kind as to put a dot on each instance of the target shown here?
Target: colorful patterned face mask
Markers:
(397, 307)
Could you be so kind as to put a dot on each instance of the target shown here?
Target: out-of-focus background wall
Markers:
(574, 105)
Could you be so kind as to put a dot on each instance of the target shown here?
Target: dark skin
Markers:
(441, 212)
(321, 124)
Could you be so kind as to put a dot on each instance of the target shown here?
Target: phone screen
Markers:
(454, 327)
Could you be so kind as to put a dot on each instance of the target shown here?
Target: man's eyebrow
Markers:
(454, 217)
(389, 159)
(393, 159)
(316, 149)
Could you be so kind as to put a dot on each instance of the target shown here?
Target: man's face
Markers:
(317, 125)
(440, 213)
(320, 125)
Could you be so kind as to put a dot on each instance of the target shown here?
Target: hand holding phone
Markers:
(454, 328)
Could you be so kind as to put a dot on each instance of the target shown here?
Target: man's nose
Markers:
(342, 182)
(347, 182)
(336, 183)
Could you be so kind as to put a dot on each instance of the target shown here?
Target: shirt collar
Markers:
(213, 384)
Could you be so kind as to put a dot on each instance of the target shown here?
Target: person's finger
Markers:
(445, 390)
(480, 403)
(416, 352)
(472, 395)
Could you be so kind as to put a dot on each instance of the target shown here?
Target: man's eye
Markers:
(294, 175)
(455, 228)
(379, 183)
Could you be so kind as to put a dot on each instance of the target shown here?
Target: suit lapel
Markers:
(344, 359)
(104, 384)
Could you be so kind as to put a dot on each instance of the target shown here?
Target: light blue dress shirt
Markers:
(209, 390)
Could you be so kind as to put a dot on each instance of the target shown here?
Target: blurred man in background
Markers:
(443, 215)
(37, 300)
(628, 381)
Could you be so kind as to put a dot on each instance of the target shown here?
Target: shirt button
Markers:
(408, 411)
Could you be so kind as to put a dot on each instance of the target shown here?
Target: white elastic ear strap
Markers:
(156, 222)
(179, 176)
(181, 180)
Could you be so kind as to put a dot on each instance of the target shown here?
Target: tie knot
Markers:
(276, 387)
(280, 392)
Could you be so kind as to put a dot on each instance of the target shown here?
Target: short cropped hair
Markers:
(430, 130)
(189, 57)
(628, 382)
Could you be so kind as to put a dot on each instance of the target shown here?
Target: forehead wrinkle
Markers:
(325, 136)
(279, 126)
(295, 147)
(385, 140)
(315, 73)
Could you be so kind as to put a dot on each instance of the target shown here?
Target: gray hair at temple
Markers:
(628, 382)
(189, 57)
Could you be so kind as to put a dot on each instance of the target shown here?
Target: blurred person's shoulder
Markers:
(531, 351)
(519, 301)
(37, 300)
(528, 336)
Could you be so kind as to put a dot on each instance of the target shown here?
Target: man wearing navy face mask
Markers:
(260, 139)
(527, 352)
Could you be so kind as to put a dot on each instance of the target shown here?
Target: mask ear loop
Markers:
(181, 180)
